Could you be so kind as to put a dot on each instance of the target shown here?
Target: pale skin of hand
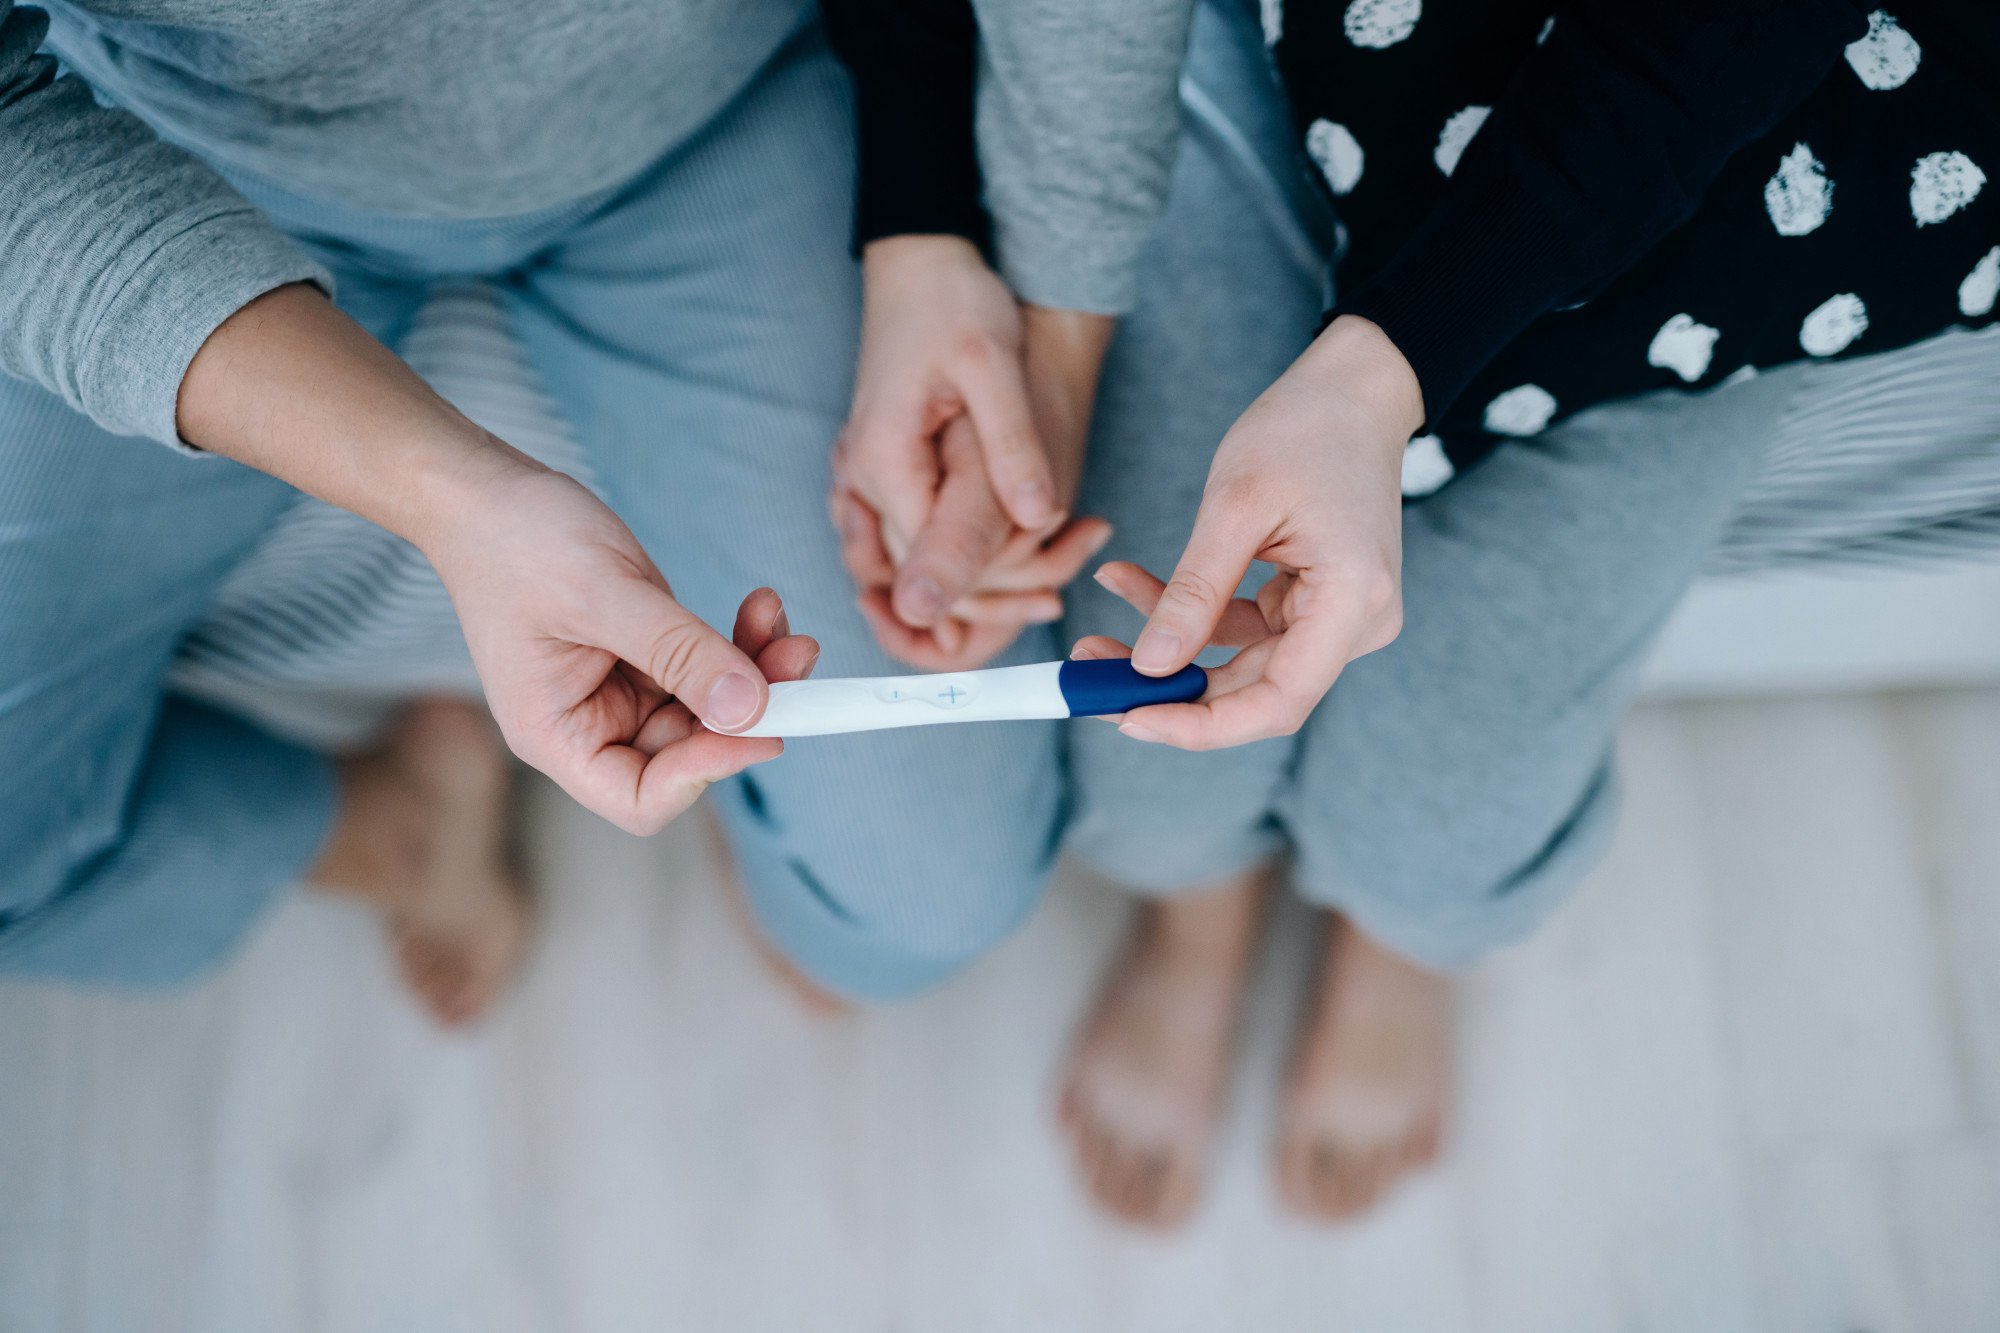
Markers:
(1308, 479)
(596, 675)
(961, 460)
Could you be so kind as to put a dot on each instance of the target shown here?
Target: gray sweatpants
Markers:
(1455, 785)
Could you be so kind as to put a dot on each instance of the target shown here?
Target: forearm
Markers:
(1063, 355)
(291, 386)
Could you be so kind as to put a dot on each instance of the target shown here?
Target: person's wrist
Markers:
(1063, 355)
(291, 386)
(453, 484)
(891, 256)
(1358, 362)
(1065, 348)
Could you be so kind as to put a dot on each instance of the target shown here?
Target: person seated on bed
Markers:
(1609, 278)
(217, 221)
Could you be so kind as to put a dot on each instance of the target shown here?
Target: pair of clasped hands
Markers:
(955, 480)
(952, 484)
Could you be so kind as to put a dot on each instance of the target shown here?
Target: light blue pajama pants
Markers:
(696, 329)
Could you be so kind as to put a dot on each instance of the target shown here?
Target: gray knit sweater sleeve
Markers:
(1079, 117)
(119, 255)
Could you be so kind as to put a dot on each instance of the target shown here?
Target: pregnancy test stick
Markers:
(1002, 694)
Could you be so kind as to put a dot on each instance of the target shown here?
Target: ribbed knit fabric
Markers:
(122, 248)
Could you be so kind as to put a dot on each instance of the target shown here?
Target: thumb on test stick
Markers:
(1217, 557)
(690, 660)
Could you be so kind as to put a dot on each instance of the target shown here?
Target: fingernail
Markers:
(1046, 616)
(1103, 540)
(922, 599)
(1137, 732)
(811, 662)
(1156, 650)
(781, 627)
(1034, 501)
(732, 701)
(1099, 576)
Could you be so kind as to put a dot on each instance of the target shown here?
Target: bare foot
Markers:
(1144, 1086)
(1365, 1101)
(421, 837)
(809, 995)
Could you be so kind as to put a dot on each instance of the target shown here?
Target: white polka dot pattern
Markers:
(1425, 467)
(1375, 24)
(1835, 323)
(1941, 184)
(1752, 288)
(1339, 156)
(1522, 410)
(1798, 196)
(1976, 294)
(1887, 56)
(1683, 345)
(1457, 134)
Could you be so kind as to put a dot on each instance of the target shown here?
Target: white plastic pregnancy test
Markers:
(1002, 694)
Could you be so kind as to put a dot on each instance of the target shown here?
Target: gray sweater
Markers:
(120, 253)
(1079, 117)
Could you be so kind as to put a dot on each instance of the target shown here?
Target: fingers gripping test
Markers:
(1002, 694)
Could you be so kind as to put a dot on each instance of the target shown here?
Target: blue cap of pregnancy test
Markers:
(1111, 685)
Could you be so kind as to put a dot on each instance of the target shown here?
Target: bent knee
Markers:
(894, 937)
(1446, 891)
(87, 928)
(879, 917)
(1163, 856)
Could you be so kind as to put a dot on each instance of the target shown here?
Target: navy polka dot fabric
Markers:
(1864, 220)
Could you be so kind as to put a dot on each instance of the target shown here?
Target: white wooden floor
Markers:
(1749, 1080)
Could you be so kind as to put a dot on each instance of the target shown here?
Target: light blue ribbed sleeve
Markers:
(119, 255)
(1079, 117)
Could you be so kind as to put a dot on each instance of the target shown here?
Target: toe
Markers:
(1353, 1177)
(1371, 1175)
(1102, 1169)
(1108, 1184)
(1092, 1144)
(1069, 1110)
(1425, 1144)
(423, 969)
(1169, 1184)
(1179, 1188)
(440, 989)
(1293, 1169)
(1128, 1169)
(444, 980)
(1149, 1175)
(416, 960)
(466, 991)
(1323, 1183)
